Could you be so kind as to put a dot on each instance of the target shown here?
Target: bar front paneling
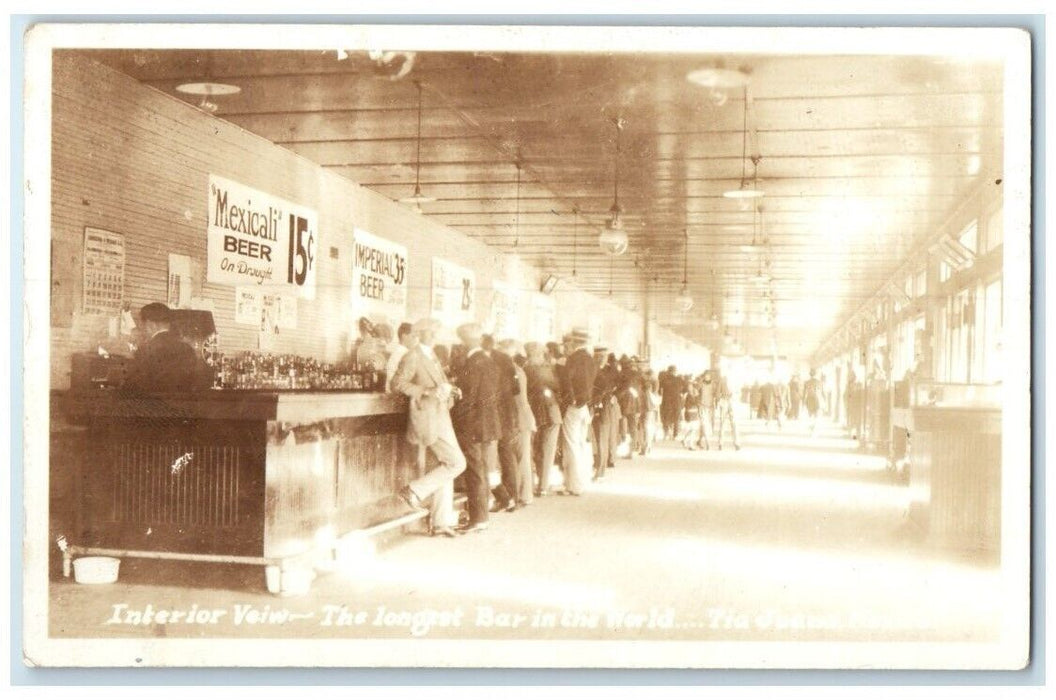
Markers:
(270, 476)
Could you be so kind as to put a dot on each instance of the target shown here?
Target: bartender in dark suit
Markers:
(476, 419)
(163, 362)
(579, 389)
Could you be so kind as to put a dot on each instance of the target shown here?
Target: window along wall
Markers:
(971, 319)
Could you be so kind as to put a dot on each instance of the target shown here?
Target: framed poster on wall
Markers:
(258, 238)
(454, 293)
(504, 320)
(379, 277)
(104, 271)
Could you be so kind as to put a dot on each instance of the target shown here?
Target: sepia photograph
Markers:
(527, 347)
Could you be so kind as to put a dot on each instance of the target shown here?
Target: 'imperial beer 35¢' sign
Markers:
(257, 238)
(379, 276)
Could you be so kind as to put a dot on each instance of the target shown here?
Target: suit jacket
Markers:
(525, 416)
(166, 364)
(544, 391)
(476, 415)
(631, 392)
(605, 380)
(580, 371)
(420, 377)
(507, 395)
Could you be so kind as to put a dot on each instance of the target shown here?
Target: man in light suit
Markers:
(421, 378)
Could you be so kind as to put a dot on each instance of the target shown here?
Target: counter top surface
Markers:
(980, 419)
(285, 406)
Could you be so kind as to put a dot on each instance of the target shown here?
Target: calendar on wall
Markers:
(104, 271)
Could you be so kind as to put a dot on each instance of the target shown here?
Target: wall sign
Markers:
(266, 310)
(379, 276)
(257, 238)
(504, 312)
(181, 281)
(454, 293)
(544, 325)
(104, 271)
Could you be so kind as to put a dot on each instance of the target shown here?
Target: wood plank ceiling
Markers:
(860, 156)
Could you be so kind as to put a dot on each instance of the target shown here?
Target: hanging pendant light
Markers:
(744, 191)
(755, 246)
(575, 237)
(517, 211)
(713, 320)
(417, 199)
(684, 300)
(718, 81)
(613, 239)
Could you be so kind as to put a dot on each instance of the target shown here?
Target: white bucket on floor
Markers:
(95, 569)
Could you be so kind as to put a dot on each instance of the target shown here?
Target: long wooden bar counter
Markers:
(242, 476)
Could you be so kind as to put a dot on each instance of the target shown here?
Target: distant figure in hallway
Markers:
(795, 397)
(724, 411)
(812, 400)
(770, 402)
(854, 396)
(701, 428)
(671, 402)
(651, 417)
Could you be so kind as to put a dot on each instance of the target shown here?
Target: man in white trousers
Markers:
(421, 378)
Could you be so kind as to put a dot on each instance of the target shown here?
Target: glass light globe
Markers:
(613, 241)
(684, 300)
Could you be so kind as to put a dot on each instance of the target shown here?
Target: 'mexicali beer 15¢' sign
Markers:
(257, 238)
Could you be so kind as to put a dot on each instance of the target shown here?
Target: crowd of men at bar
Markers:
(484, 407)
(521, 412)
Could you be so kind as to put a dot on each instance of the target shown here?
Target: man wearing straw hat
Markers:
(579, 389)
(421, 378)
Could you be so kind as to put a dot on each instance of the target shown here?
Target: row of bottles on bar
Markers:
(259, 370)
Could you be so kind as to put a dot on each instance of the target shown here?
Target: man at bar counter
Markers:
(420, 377)
(476, 419)
(544, 392)
(579, 389)
(163, 362)
(396, 352)
(602, 403)
(509, 446)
